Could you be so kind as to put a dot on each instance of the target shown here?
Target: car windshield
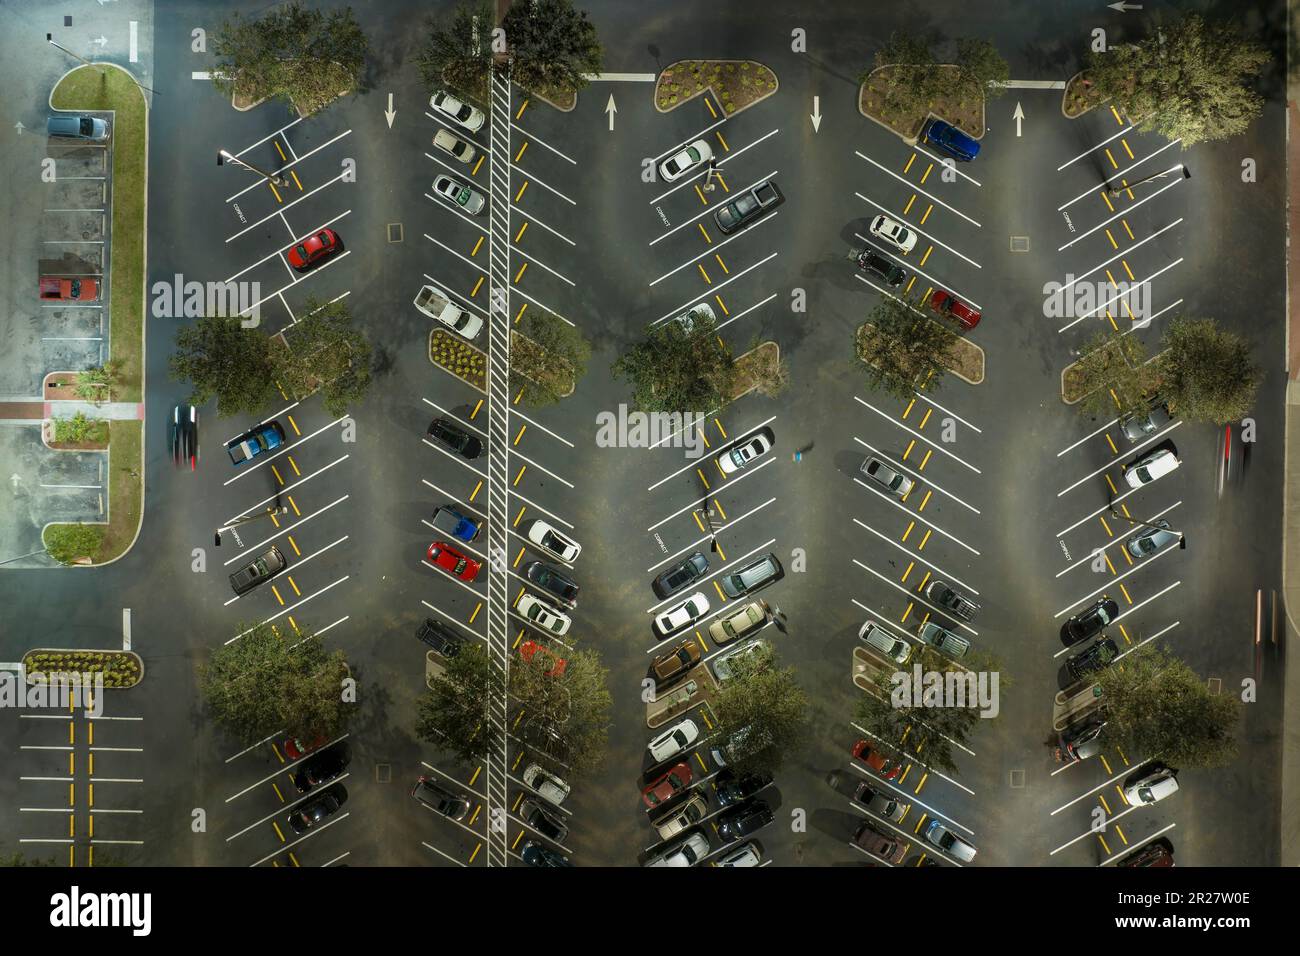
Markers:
(301, 250)
(553, 541)
(692, 154)
(745, 205)
(87, 126)
(464, 112)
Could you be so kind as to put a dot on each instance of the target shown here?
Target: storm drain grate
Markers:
(1017, 780)
(383, 773)
(395, 233)
(1019, 243)
(1216, 686)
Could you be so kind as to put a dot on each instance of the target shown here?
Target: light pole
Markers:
(49, 38)
(1182, 538)
(707, 512)
(225, 156)
(1115, 190)
(279, 509)
(708, 179)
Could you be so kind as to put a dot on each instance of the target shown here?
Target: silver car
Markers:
(942, 640)
(1150, 540)
(891, 480)
(459, 194)
(724, 668)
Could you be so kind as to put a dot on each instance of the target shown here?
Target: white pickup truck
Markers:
(438, 306)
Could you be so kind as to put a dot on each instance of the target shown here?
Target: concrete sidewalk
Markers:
(33, 412)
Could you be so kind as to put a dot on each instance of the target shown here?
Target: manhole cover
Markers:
(394, 232)
(1017, 780)
(1019, 243)
(383, 773)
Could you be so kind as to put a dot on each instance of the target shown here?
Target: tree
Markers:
(567, 713)
(982, 66)
(68, 542)
(1207, 374)
(225, 361)
(99, 384)
(903, 351)
(264, 682)
(1113, 376)
(1188, 81)
(548, 360)
(303, 54)
(456, 712)
(323, 351)
(762, 714)
(765, 367)
(17, 858)
(1158, 707)
(916, 79)
(553, 46)
(457, 53)
(679, 370)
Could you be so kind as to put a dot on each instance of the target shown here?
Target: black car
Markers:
(315, 811)
(680, 575)
(545, 822)
(950, 599)
(535, 854)
(440, 637)
(1090, 622)
(1156, 853)
(1097, 657)
(744, 820)
(185, 436)
(749, 206)
(891, 273)
(553, 581)
(258, 571)
(1082, 740)
(455, 438)
(732, 789)
(321, 767)
(439, 799)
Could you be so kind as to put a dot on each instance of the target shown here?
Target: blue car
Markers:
(263, 438)
(949, 140)
(450, 521)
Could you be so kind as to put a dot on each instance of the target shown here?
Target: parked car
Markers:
(733, 625)
(732, 789)
(315, 248)
(1154, 464)
(296, 748)
(682, 818)
(942, 639)
(77, 126)
(1138, 425)
(535, 854)
(676, 662)
(554, 582)
(459, 194)
(454, 146)
(262, 438)
(530, 649)
(1090, 622)
(546, 537)
(321, 768)
(744, 820)
(939, 835)
(747, 854)
(185, 436)
(675, 740)
(454, 524)
(443, 556)
(543, 615)
(317, 810)
(1082, 739)
(1097, 656)
(683, 573)
(688, 852)
(950, 599)
(890, 272)
(440, 799)
(698, 313)
(258, 571)
(69, 289)
(949, 306)
(884, 642)
(439, 306)
(684, 160)
(1159, 852)
(892, 232)
(887, 477)
(454, 438)
(440, 637)
(546, 822)
(458, 112)
(667, 786)
(681, 614)
(749, 654)
(549, 787)
(949, 140)
(749, 206)
(885, 767)
(1150, 784)
(1146, 541)
(752, 577)
(742, 743)
(886, 847)
(741, 454)
(879, 802)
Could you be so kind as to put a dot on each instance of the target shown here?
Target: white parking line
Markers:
(1115, 298)
(686, 142)
(532, 178)
(916, 434)
(956, 168)
(456, 621)
(694, 545)
(457, 458)
(541, 305)
(537, 262)
(1095, 190)
(720, 609)
(461, 132)
(448, 412)
(296, 564)
(740, 315)
(710, 209)
(915, 515)
(1121, 214)
(271, 776)
(266, 139)
(332, 261)
(451, 577)
(696, 461)
(947, 576)
(446, 856)
(290, 205)
(695, 504)
(463, 258)
(918, 476)
(443, 204)
(533, 219)
(514, 413)
(722, 162)
(302, 519)
(917, 189)
(1134, 450)
(1093, 149)
(1129, 849)
(883, 291)
(532, 464)
(284, 451)
(1120, 255)
(297, 159)
(710, 250)
(537, 139)
(915, 597)
(714, 288)
(289, 609)
(1130, 610)
(314, 831)
(1092, 555)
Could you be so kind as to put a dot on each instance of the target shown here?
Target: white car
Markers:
(680, 615)
(688, 318)
(459, 194)
(460, 113)
(543, 615)
(1149, 467)
(1150, 785)
(736, 458)
(747, 855)
(674, 740)
(552, 788)
(893, 232)
(687, 853)
(682, 162)
(437, 305)
(551, 541)
(449, 142)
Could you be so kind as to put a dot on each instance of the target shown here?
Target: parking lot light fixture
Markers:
(226, 156)
(279, 509)
(1115, 190)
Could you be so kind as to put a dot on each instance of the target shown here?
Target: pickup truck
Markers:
(438, 306)
(265, 437)
(749, 206)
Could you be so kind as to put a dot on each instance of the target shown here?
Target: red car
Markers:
(295, 747)
(69, 288)
(889, 769)
(672, 783)
(444, 556)
(947, 304)
(529, 649)
(314, 248)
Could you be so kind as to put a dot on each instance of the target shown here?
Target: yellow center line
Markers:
(519, 517)
(519, 396)
(276, 592)
(519, 557)
(521, 151)
(1109, 533)
(719, 589)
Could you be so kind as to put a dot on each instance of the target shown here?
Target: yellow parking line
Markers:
(910, 160)
(924, 578)
(699, 193)
(903, 579)
(719, 589)
(519, 517)
(519, 396)
(1112, 279)
(1113, 243)
(928, 209)
(926, 418)
(294, 424)
(1131, 276)
(924, 501)
(522, 428)
(921, 546)
(722, 182)
(522, 106)
(520, 314)
(1113, 489)
(926, 175)
(1109, 204)
(295, 466)
(924, 258)
(909, 284)
(718, 256)
(908, 450)
(717, 505)
(705, 480)
(1111, 441)
(274, 190)
(720, 428)
(293, 504)
(705, 232)
(476, 409)
(1124, 631)
(521, 191)
(725, 147)
(1124, 143)
(276, 472)
(477, 246)
(522, 469)
(708, 102)
(278, 831)
(477, 285)
(925, 460)
(296, 180)
(520, 274)
(521, 151)
(520, 234)
(474, 171)
(1124, 222)
(703, 435)
(1115, 113)
(477, 608)
(1127, 596)
(908, 612)
(722, 305)
(698, 522)
(519, 557)
(474, 493)
(907, 411)
(276, 144)
(276, 592)
(294, 585)
(910, 526)
(700, 266)
(723, 555)
(908, 207)
(294, 545)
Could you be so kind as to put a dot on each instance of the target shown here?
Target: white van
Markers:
(879, 639)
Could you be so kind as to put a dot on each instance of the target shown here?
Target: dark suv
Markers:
(554, 582)
(321, 768)
(440, 637)
(1090, 622)
(454, 438)
(1097, 657)
(680, 575)
(873, 262)
(744, 820)
(732, 789)
(258, 571)
(757, 574)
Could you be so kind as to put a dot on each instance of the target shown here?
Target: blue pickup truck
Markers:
(263, 438)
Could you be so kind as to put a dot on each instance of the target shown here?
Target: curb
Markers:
(654, 99)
